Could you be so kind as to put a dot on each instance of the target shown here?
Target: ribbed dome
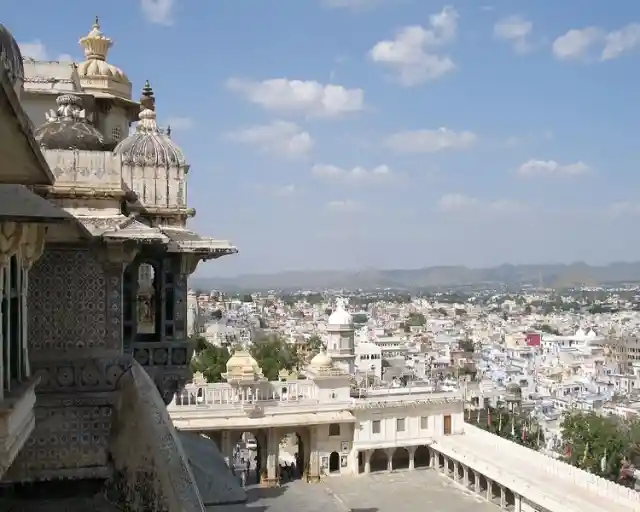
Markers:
(11, 57)
(95, 67)
(148, 145)
(68, 128)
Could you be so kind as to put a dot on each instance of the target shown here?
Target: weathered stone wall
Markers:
(152, 472)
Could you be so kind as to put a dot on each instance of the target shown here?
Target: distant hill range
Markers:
(552, 275)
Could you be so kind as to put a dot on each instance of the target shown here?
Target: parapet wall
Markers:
(557, 468)
(152, 472)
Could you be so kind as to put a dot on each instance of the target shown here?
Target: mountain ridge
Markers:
(556, 275)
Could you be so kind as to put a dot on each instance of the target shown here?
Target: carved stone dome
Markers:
(340, 316)
(96, 48)
(513, 392)
(148, 145)
(11, 57)
(68, 128)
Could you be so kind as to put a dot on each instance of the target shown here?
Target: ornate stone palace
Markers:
(94, 246)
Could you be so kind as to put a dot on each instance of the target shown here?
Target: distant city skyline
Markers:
(378, 134)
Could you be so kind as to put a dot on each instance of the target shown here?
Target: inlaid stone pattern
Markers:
(70, 440)
(74, 305)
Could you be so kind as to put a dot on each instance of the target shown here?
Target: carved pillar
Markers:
(227, 447)
(476, 482)
(412, 454)
(465, 476)
(31, 252)
(503, 497)
(517, 503)
(389, 452)
(314, 457)
(273, 448)
(456, 470)
(367, 461)
(489, 495)
(11, 237)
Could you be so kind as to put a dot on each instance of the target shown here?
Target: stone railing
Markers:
(594, 483)
(152, 472)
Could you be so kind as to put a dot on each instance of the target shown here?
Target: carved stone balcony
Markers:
(17, 421)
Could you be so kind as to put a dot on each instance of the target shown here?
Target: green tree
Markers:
(314, 344)
(216, 314)
(415, 319)
(274, 354)
(589, 437)
(247, 298)
(210, 360)
(360, 318)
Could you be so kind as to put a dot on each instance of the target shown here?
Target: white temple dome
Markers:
(321, 361)
(96, 47)
(591, 334)
(148, 145)
(241, 359)
(580, 333)
(340, 316)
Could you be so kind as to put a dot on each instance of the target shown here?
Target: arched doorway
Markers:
(421, 457)
(248, 453)
(400, 458)
(334, 462)
(378, 461)
(293, 456)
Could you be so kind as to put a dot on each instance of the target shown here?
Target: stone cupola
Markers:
(243, 369)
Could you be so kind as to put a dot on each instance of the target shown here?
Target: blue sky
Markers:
(386, 133)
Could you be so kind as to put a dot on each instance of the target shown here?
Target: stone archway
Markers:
(299, 437)
(421, 457)
(400, 458)
(334, 462)
(379, 461)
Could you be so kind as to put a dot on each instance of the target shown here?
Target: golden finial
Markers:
(97, 23)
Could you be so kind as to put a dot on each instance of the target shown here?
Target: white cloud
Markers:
(460, 202)
(515, 30)
(276, 190)
(36, 50)
(552, 168)
(576, 43)
(180, 123)
(379, 174)
(431, 141)
(281, 138)
(413, 54)
(344, 206)
(158, 12)
(297, 96)
(580, 44)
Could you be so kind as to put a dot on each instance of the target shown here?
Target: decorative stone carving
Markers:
(11, 237)
(75, 305)
(33, 245)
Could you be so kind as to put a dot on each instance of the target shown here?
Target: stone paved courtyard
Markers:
(396, 492)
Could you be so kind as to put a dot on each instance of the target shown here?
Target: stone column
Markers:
(314, 456)
(273, 447)
(432, 458)
(465, 480)
(31, 252)
(503, 498)
(489, 490)
(456, 469)
(476, 482)
(11, 237)
(367, 462)
(389, 452)
(412, 454)
(517, 503)
(227, 447)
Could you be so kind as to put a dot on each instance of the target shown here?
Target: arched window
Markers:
(334, 429)
(148, 289)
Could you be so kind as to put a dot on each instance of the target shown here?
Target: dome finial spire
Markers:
(147, 99)
(96, 45)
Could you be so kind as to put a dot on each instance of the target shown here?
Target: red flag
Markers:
(524, 432)
(567, 451)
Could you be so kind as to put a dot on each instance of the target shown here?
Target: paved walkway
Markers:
(408, 491)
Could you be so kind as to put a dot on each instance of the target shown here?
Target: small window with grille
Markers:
(116, 134)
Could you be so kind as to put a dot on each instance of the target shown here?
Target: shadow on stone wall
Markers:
(151, 470)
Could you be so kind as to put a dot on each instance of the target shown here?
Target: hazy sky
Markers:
(386, 133)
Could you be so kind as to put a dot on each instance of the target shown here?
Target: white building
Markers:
(340, 338)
